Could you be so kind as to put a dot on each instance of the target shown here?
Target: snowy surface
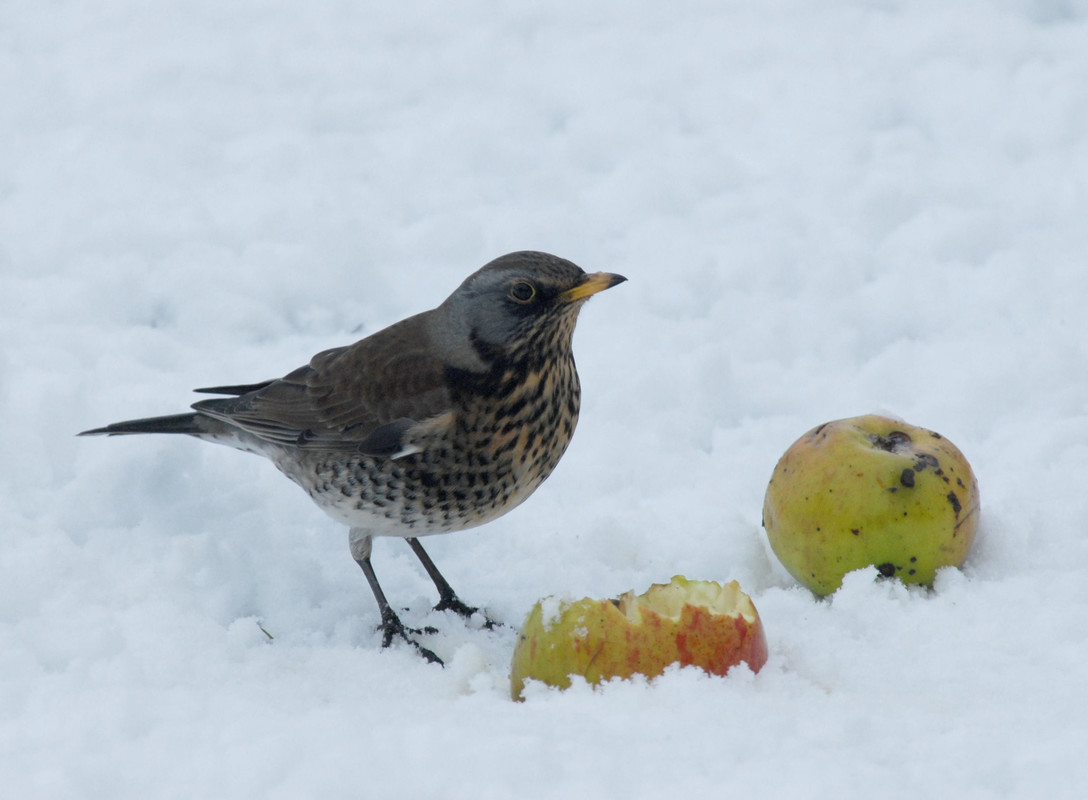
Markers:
(824, 209)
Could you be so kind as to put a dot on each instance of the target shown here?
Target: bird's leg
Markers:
(448, 599)
(391, 625)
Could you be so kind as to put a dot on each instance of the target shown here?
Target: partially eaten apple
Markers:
(692, 623)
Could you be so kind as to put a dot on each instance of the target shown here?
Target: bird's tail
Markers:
(193, 424)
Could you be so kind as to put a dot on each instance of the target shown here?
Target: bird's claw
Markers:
(391, 627)
(453, 603)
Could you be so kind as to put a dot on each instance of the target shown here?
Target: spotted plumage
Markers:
(440, 422)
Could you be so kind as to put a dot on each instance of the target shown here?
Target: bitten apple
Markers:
(870, 491)
(697, 623)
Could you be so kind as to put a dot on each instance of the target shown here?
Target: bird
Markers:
(438, 423)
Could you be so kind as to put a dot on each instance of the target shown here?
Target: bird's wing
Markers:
(242, 388)
(362, 397)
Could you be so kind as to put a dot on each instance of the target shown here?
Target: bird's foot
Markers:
(392, 627)
(451, 602)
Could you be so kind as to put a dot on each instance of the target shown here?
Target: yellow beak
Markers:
(590, 285)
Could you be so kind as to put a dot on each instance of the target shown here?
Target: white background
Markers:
(824, 210)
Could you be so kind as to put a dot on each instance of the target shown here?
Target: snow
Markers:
(824, 210)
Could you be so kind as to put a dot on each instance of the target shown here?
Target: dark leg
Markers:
(391, 625)
(448, 599)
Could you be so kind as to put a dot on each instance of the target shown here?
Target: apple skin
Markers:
(691, 623)
(870, 491)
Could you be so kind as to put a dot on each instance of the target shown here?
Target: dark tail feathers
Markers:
(177, 423)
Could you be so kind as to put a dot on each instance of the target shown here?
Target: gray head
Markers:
(518, 300)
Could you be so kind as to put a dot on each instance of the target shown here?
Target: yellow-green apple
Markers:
(691, 623)
(870, 491)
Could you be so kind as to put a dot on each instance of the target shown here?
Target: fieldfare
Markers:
(440, 422)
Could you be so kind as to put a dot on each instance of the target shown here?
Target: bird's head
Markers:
(519, 302)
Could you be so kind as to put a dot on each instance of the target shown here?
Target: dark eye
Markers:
(522, 291)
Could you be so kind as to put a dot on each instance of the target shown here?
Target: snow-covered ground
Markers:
(824, 209)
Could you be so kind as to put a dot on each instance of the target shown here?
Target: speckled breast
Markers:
(507, 432)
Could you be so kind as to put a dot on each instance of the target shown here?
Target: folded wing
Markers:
(365, 397)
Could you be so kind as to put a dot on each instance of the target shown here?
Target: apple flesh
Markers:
(870, 491)
(691, 623)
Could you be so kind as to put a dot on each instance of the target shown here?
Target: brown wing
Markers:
(360, 397)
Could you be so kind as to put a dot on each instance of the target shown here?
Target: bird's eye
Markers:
(522, 291)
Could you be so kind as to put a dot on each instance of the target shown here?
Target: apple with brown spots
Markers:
(870, 491)
(692, 623)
